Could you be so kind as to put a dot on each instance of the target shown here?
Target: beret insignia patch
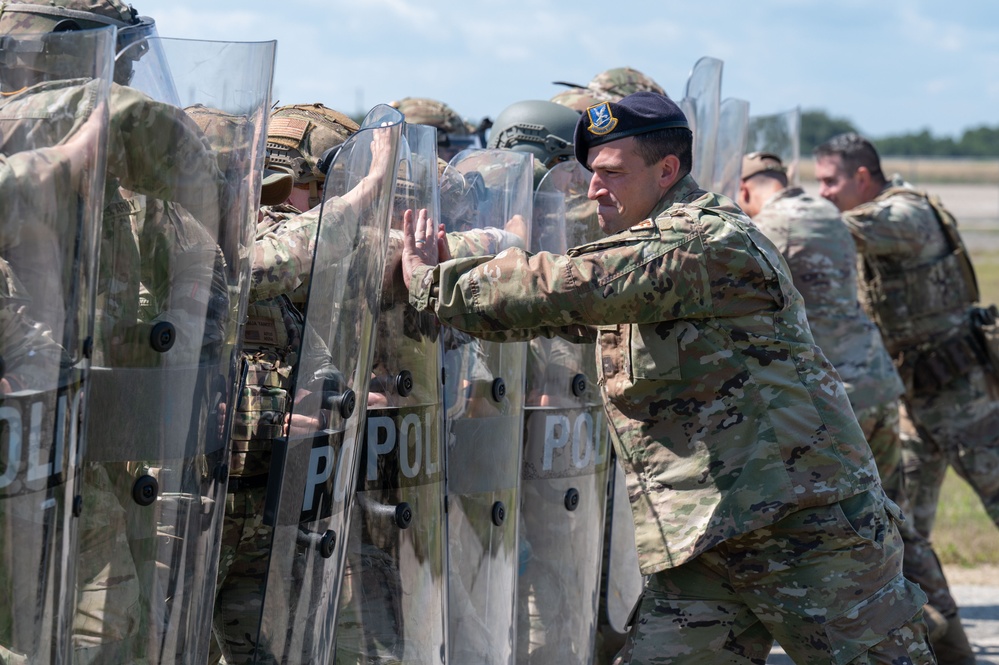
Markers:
(601, 120)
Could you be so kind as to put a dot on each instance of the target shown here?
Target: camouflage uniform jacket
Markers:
(725, 414)
(912, 285)
(817, 246)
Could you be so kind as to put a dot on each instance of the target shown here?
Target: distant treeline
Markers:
(818, 126)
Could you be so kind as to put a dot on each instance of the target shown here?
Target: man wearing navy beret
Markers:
(757, 505)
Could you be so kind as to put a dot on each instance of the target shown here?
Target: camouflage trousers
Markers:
(958, 426)
(108, 590)
(826, 582)
(239, 590)
(920, 564)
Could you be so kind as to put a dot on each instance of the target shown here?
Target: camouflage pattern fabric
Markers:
(726, 417)
(17, 16)
(622, 81)
(607, 86)
(916, 288)
(810, 233)
(425, 111)
(733, 601)
(822, 257)
(243, 561)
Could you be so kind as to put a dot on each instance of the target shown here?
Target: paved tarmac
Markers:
(980, 613)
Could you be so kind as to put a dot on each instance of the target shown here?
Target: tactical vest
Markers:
(900, 289)
(272, 338)
(903, 289)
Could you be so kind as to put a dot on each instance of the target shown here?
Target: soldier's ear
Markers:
(862, 177)
(669, 171)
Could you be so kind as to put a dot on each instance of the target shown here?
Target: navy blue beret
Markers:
(638, 113)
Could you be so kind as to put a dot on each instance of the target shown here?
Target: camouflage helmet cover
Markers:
(577, 98)
(611, 85)
(426, 111)
(622, 81)
(29, 17)
(299, 134)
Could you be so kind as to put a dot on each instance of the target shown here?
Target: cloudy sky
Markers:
(889, 66)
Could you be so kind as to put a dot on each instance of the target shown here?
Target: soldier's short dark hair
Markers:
(656, 145)
(855, 151)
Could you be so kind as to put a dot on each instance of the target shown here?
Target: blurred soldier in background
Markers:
(919, 286)
(822, 257)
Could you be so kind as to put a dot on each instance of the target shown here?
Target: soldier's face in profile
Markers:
(625, 188)
(836, 185)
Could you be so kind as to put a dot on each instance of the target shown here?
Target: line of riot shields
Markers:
(434, 498)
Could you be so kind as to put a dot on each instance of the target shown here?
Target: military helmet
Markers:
(577, 98)
(607, 86)
(61, 15)
(542, 128)
(621, 82)
(453, 133)
(426, 111)
(17, 16)
(300, 135)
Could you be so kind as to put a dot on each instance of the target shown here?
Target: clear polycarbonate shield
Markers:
(701, 104)
(174, 265)
(564, 470)
(393, 598)
(312, 476)
(53, 134)
(730, 145)
(780, 134)
(142, 62)
(485, 409)
(623, 581)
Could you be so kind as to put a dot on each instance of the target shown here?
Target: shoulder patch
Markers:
(647, 224)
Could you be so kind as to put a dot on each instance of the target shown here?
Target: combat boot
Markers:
(953, 648)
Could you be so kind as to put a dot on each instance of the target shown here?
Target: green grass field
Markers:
(964, 534)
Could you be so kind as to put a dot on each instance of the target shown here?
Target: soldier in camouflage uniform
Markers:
(297, 138)
(919, 286)
(822, 257)
(757, 505)
(607, 86)
(155, 151)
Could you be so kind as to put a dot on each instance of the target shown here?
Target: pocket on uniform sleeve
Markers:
(654, 351)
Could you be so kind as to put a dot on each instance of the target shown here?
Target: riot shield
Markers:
(564, 470)
(701, 104)
(622, 579)
(171, 288)
(485, 409)
(393, 597)
(53, 134)
(780, 134)
(730, 145)
(313, 470)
